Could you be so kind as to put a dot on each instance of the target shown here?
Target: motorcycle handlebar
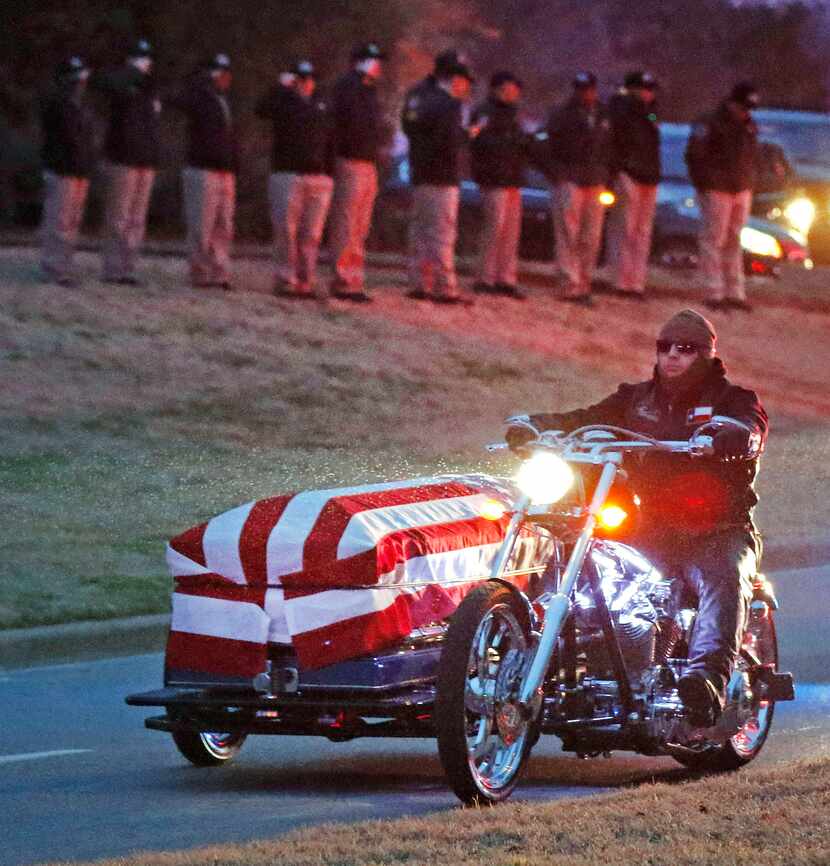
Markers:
(697, 446)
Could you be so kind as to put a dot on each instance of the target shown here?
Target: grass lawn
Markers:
(127, 415)
(774, 817)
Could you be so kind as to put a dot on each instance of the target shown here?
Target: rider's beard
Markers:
(689, 380)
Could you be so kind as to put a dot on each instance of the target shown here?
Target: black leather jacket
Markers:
(580, 144)
(133, 137)
(499, 152)
(722, 152)
(680, 496)
(635, 140)
(68, 128)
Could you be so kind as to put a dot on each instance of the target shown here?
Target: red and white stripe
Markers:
(337, 573)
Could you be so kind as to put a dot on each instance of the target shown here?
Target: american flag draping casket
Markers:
(335, 573)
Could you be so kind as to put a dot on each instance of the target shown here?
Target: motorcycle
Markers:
(589, 648)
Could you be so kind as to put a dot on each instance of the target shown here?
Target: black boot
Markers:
(702, 698)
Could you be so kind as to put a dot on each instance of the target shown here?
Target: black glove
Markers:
(520, 434)
(731, 443)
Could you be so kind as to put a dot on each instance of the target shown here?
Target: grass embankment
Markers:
(127, 415)
(776, 817)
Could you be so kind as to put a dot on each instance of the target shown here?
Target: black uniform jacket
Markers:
(635, 140)
(722, 152)
(303, 131)
(211, 133)
(358, 118)
(437, 140)
(68, 128)
(580, 144)
(133, 137)
(499, 151)
(680, 495)
(411, 103)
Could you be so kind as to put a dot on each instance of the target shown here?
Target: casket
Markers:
(335, 574)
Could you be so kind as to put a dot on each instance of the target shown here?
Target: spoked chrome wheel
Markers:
(483, 738)
(760, 641)
(208, 749)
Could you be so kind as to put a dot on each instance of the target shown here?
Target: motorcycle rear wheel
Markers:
(208, 749)
(483, 743)
(745, 746)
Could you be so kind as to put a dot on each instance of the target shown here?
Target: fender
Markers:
(523, 600)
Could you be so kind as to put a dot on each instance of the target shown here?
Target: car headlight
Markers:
(544, 478)
(760, 243)
(800, 213)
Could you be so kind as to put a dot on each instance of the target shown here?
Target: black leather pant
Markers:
(718, 568)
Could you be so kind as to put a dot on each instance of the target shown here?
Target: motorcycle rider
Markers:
(696, 512)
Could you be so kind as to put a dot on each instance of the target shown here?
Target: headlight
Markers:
(607, 198)
(544, 478)
(760, 243)
(800, 213)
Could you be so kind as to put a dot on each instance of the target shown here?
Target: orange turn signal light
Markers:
(492, 509)
(607, 198)
(612, 516)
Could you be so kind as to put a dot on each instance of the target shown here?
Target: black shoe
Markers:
(418, 295)
(738, 304)
(629, 295)
(359, 297)
(225, 286)
(511, 291)
(717, 304)
(449, 300)
(130, 281)
(68, 282)
(293, 294)
(701, 698)
(580, 300)
(481, 288)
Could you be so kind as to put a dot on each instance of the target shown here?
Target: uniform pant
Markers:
(432, 233)
(128, 198)
(577, 222)
(63, 211)
(210, 202)
(500, 235)
(355, 188)
(721, 257)
(629, 233)
(719, 569)
(299, 205)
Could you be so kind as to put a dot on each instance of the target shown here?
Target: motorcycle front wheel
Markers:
(483, 740)
(208, 749)
(744, 746)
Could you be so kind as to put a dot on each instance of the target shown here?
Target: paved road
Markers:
(81, 778)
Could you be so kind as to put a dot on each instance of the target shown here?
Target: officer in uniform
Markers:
(499, 160)
(359, 134)
(722, 156)
(209, 177)
(133, 151)
(300, 186)
(579, 135)
(636, 169)
(68, 155)
(437, 139)
(427, 85)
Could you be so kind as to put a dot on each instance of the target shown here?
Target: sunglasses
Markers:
(664, 347)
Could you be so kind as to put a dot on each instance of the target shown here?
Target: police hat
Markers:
(303, 69)
(584, 80)
(745, 94)
(141, 48)
(640, 80)
(71, 69)
(503, 77)
(445, 59)
(219, 62)
(368, 51)
(450, 70)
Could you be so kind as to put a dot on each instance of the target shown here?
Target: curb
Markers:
(83, 641)
(87, 640)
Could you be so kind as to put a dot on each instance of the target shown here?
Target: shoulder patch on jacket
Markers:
(699, 415)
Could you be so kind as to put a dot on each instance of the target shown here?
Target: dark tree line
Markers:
(698, 48)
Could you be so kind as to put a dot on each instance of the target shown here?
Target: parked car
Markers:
(805, 138)
(677, 221)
